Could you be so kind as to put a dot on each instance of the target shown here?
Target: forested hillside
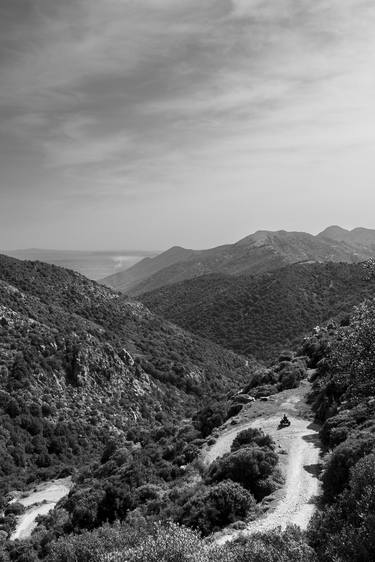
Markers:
(343, 399)
(261, 315)
(121, 507)
(84, 391)
(80, 364)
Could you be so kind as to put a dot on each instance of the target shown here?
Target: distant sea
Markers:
(94, 265)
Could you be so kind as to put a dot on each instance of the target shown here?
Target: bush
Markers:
(345, 531)
(248, 466)
(252, 436)
(290, 377)
(173, 543)
(15, 508)
(265, 390)
(216, 507)
(337, 470)
(234, 410)
(354, 353)
(89, 546)
(209, 417)
(287, 546)
(170, 543)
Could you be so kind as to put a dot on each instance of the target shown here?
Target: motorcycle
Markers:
(284, 422)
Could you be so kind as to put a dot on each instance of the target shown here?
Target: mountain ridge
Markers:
(262, 251)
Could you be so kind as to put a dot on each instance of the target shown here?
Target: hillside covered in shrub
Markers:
(343, 398)
(261, 315)
(80, 364)
(78, 395)
(342, 530)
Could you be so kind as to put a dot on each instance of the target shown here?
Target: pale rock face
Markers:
(127, 358)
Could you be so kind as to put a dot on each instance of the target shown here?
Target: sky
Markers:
(149, 123)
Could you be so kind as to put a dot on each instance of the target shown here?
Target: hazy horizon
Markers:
(95, 265)
(156, 123)
(152, 251)
(129, 251)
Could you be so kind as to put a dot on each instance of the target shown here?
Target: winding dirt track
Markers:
(299, 464)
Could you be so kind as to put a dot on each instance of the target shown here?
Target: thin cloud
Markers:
(131, 98)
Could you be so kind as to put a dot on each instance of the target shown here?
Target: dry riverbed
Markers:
(39, 501)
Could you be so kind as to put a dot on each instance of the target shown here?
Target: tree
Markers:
(209, 417)
(337, 470)
(355, 349)
(345, 531)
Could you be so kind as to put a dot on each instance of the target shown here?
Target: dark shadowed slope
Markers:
(262, 314)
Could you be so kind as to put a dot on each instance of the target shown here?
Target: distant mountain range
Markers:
(258, 253)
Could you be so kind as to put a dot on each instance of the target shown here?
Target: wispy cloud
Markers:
(118, 98)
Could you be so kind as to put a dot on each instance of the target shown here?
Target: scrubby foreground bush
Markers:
(172, 543)
(344, 399)
(345, 531)
(249, 466)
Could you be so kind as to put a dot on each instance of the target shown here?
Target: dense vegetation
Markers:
(344, 400)
(261, 315)
(152, 476)
(80, 364)
(172, 543)
(75, 395)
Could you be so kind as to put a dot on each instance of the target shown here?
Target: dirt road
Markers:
(299, 462)
(49, 493)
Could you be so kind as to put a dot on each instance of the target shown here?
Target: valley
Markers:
(126, 433)
(264, 314)
(187, 281)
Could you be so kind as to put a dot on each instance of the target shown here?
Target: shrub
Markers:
(252, 436)
(234, 410)
(345, 531)
(265, 390)
(247, 466)
(354, 353)
(169, 543)
(336, 429)
(15, 508)
(89, 546)
(287, 546)
(344, 457)
(209, 417)
(216, 507)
